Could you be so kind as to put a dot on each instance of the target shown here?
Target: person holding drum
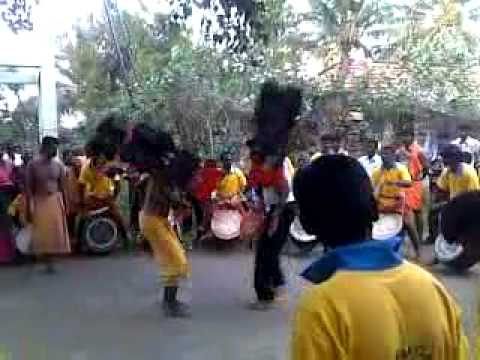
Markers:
(458, 177)
(97, 188)
(390, 182)
(365, 301)
(233, 181)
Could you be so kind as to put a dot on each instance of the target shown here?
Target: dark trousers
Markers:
(198, 210)
(433, 225)
(268, 274)
(6, 197)
(135, 205)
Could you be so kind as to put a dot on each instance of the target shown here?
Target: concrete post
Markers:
(47, 112)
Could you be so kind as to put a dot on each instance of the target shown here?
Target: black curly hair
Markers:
(107, 139)
(459, 217)
(152, 150)
(336, 201)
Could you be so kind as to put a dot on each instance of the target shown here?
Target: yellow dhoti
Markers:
(167, 249)
(50, 232)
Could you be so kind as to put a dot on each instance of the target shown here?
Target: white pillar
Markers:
(47, 112)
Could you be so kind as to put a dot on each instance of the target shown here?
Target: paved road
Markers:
(105, 309)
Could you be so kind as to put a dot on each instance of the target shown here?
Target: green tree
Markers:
(343, 25)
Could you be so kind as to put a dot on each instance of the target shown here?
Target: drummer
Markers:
(390, 182)
(458, 177)
(97, 189)
(233, 182)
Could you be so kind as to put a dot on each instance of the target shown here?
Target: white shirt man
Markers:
(270, 195)
(468, 145)
(370, 163)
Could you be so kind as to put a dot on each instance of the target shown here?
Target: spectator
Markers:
(365, 302)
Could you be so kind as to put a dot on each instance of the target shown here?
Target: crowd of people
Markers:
(337, 199)
(397, 172)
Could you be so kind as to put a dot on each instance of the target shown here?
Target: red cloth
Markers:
(259, 176)
(6, 174)
(205, 182)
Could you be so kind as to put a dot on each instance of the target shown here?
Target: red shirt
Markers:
(259, 176)
(206, 182)
(6, 174)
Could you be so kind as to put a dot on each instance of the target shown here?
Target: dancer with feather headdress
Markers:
(275, 113)
(170, 171)
(151, 151)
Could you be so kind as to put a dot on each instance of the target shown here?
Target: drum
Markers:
(300, 237)
(100, 232)
(388, 229)
(387, 226)
(455, 255)
(253, 223)
(226, 224)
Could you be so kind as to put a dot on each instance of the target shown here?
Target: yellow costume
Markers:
(167, 250)
(389, 195)
(232, 184)
(400, 313)
(456, 184)
(95, 182)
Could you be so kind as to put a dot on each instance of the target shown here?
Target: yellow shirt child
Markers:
(232, 184)
(388, 195)
(455, 184)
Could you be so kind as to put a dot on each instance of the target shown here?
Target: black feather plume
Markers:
(276, 109)
(152, 150)
(107, 139)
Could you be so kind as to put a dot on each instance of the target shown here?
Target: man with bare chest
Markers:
(168, 252)
(46, 211)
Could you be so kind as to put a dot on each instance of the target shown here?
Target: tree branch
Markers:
(329, 68)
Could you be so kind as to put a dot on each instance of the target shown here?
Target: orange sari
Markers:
(414, 194)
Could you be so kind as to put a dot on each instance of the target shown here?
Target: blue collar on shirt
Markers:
(372, 255)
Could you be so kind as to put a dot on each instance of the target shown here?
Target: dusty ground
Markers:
(104, 308)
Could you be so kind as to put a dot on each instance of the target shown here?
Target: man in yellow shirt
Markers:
(365, 301)
(390, 182)
(458, 177)
(233, 182)
(98, 190)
